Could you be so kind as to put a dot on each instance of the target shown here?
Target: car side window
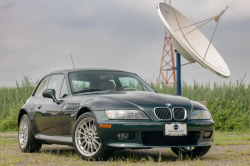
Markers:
(130, 82)
(64, 90)
(56, 83)
(42, 86)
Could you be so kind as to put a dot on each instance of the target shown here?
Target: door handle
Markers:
(39, 106)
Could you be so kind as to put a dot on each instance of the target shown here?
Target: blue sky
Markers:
(36, 37)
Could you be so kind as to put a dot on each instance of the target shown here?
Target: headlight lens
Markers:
(126, 114)
(200, 114)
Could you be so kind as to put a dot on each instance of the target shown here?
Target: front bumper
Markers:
(195, 128)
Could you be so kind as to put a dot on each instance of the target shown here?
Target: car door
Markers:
(37, 98)
(48, 112)
(67, 119)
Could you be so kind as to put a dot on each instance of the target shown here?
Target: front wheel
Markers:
(27, 141)
(86, 140)
(191, 151)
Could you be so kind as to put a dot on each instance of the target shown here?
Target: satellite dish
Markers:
(190, 42)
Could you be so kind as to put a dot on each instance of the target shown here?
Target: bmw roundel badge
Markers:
(176, 126)
(168, 105)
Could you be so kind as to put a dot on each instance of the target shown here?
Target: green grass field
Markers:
(229, 104)
(229, 148)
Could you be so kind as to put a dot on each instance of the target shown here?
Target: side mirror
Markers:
(156, 91)
(50, 93)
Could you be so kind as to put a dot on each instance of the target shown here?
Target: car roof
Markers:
(66, 71)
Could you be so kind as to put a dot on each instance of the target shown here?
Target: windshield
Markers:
(88, 81)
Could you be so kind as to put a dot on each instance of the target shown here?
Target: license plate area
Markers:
(175, 129)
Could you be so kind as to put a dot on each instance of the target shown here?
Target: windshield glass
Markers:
(87, 81)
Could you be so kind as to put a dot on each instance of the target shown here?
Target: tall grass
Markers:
(11, 100)
(229, 104)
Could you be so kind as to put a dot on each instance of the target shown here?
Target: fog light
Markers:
(123, 135)
(207, 134)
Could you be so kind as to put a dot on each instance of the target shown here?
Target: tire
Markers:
(27, 142)
(195, 152)
(85, 139)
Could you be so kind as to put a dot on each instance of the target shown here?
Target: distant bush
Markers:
(229, 104)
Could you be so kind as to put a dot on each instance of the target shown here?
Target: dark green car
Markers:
(99, 111)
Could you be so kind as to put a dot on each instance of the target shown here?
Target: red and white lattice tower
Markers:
(167, 73)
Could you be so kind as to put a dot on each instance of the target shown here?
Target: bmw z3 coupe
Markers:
(99, 111)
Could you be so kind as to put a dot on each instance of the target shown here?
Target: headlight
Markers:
(125, 114)
(200, 114)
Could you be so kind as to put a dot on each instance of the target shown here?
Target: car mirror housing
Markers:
(50, 93)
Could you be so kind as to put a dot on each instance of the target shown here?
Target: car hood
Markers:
(148, 99)
(132, 100)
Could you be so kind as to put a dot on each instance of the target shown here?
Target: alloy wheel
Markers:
(187, 149)
(86, 137)
(23, 133)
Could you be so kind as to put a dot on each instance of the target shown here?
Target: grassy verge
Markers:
(64, 155)
(231, 138)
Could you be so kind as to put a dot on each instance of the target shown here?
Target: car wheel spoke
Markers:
(94, 145)
(80, 132)
(91, 147)
(89, 124)
(88, 148)
(86, 125)
(84, 147)
(83, 128)
(82, 142)
(79, 138)
(97, 142)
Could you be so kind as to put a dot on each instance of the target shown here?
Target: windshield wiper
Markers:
(88, 90)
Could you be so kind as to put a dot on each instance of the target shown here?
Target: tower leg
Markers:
(178, 69)
(167, 72)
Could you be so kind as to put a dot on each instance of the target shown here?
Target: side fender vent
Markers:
(71, 107)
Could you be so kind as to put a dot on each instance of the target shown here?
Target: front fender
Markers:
(198, 106)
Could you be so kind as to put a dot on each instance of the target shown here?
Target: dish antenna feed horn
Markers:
(191, 43)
